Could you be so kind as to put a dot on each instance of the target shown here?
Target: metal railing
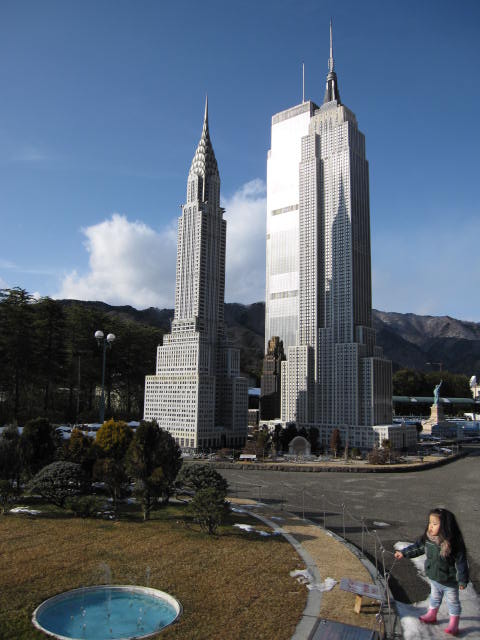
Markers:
(343, 523)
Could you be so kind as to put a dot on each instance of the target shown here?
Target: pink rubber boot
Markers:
(452, 628)
(430, 617)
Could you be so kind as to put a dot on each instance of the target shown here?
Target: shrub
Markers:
(83, 506)
(58, 481)
(378, 456)
(201, 476)
(8, 495)
(208, 508)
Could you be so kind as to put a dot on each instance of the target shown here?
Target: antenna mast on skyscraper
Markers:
(331, 62)
(303, 82)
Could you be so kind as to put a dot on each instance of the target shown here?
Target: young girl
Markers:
(445, 564)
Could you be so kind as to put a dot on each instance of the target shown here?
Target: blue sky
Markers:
(101, 110)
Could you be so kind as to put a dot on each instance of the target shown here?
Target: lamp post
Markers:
(105, 342)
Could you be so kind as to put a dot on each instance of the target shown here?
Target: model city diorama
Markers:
(318, 304)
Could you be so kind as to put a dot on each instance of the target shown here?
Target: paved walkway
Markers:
(327, 556)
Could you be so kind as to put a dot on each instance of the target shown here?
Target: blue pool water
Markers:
(104, 613)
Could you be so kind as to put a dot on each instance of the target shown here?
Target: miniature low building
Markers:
(401, 436)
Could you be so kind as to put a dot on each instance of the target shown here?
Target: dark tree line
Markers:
(410, 382)
(50, 363)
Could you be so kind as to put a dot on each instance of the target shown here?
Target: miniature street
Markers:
(394, 505)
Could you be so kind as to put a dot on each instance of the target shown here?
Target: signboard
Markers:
(361, 589)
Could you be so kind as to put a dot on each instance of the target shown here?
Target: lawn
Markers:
(235, 585)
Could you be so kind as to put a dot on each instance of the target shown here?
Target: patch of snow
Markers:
(326, 585)
(380, 524)
(304, 576)
(245, 527)
(413, 629)
(31, 512)
(249, 529)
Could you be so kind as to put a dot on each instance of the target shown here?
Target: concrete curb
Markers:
(311, 612)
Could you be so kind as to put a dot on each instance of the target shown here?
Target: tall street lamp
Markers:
(105, 342)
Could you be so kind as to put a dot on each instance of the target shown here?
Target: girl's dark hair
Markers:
(449, 529)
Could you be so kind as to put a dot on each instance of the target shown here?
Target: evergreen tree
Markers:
(51, 350)
(38, 445)
(201, 476)
(287, 435)
(147, 463)
(17, 353)
(10, 455)
(208, 508)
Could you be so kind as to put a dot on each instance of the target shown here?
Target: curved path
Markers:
(395, 504)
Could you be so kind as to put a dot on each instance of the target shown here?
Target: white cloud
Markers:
(130, 263)
(245, 215)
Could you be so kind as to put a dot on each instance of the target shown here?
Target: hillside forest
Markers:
(51, 364)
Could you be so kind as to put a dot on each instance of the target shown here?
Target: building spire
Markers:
(205, 117)
(204, 162)
(331, 91)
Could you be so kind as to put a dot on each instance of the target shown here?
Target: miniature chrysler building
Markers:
(197, 393)
(318, 281)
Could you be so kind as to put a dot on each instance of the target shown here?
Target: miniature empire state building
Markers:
(197, 393)
(318, 272)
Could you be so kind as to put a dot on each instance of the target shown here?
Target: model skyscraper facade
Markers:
(197, 393)
(271, 380)
(318, 297)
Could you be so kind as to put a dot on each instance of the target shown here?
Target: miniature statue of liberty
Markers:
(436, 393)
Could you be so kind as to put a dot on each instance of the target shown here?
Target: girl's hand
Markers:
(398, 555)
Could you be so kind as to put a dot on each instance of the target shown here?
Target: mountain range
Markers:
(409, 340)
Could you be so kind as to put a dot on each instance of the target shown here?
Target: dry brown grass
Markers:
(234, 586)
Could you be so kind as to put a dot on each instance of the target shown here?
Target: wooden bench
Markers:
(361, 589)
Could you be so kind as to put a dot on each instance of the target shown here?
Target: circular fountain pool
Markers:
(106, 613)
